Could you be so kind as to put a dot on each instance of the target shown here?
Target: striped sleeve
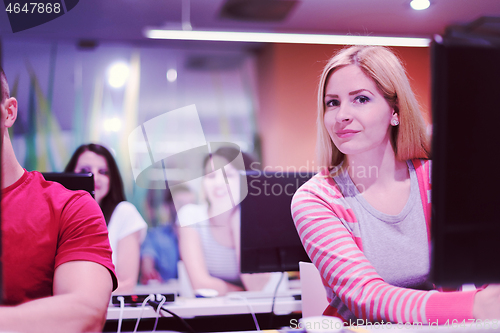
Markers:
(325, 225)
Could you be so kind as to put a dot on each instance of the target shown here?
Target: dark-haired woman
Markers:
(126, 227)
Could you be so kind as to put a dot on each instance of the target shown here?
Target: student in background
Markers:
(56, 259)
(210, 249)
(160, 250)
(126, 227)
(364, 218)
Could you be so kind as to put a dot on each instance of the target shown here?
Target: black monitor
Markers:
(269, 240)
(1, 176)
(466, 163)
(72, 181)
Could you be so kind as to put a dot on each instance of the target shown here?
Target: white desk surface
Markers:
(423, 329)
(329, 325)
(217, 306)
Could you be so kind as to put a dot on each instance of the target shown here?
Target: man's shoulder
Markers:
(55, 189)
(53, 193)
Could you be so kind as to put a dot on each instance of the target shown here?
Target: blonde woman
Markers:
(210, 249)
(364, 219)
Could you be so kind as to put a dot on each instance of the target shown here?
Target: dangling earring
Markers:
(394, 122)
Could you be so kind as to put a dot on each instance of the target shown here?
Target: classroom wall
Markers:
(288, 75)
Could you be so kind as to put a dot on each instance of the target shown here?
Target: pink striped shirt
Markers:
(329, 232)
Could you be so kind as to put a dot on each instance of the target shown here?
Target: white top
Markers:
(124, 221)
(221, 260)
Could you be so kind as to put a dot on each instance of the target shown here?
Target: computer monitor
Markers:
(1, 176)
(72, 181)
(269, 240)
(466, 163)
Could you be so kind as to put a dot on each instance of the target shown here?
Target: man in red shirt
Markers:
(57, 269)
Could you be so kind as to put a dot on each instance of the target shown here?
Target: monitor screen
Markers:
(269, 240)
(1, 176)
(72, 181)
(465, 169)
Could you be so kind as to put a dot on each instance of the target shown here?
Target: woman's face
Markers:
(357, 116)
(92, 162)
(215, 186)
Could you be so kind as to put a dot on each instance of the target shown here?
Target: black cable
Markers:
(274, 300)
(155, 305)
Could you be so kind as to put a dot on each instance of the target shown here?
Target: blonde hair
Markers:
(409, 139)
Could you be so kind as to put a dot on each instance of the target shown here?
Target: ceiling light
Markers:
(118, 74)
(420, 4)
(262, 37)
(112, 124)
(171, 75)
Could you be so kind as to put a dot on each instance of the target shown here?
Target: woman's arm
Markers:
(149, 257)
(127, 262)
(321, 217)
(148, 270)
(192, 255)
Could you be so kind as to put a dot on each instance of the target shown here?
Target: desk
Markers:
(424, 329)
(193, 307)
(211, 314)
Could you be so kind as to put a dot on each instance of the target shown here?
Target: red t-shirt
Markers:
(43, 226)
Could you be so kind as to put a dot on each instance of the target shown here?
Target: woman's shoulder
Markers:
(126, 211)
(421, 162)
(125, 220)
(321, 184)
(423, 168)
(192, 213)
(125, 207)
(321, 196)
(322, 190)
(193, 209)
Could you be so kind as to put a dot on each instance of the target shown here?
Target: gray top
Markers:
(396, 245)
(221, 260)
